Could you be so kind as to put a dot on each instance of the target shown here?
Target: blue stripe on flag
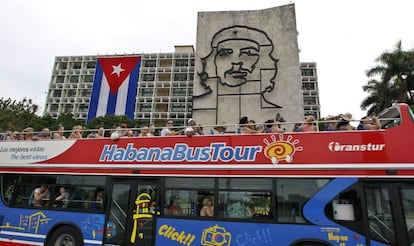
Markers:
(132, 91)
(111, 103)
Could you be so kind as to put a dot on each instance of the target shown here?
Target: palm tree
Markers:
(381, 96)
(396, 70)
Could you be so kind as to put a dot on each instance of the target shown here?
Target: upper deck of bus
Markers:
(383, 152)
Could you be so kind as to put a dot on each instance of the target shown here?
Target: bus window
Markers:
(292, 194)
(26, 186)
(184, 196)
(180, 202)
(407, 200)
(380, 219)
(8, 185)
(244, 198)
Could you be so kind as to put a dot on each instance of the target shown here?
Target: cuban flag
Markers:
(114, 87)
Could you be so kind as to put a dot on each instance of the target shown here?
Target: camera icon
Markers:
(216, 236)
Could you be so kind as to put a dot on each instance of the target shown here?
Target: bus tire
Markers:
(65, 235)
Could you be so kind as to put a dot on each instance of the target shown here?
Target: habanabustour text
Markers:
(180, 152)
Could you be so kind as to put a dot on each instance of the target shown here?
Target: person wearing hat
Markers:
(219, 129)
(308, 125)
(344, 122)
(191, 129)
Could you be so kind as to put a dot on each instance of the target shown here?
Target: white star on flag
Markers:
(117, 69)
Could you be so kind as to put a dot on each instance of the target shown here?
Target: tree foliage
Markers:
(395, 73)
(17, 114)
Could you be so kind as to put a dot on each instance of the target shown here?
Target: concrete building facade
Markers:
(247, 64)
(186, 83)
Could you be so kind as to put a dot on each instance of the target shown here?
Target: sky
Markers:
(344, 38)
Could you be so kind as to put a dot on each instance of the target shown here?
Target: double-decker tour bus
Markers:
(320, 188)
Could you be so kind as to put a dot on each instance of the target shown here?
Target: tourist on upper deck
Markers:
(200, 129)
(344, 122)
(273, 127)
(120, 131)
(11, 135)
(100, 132)
(152, 130)
(168, 130)
(44, 134)
(131, 133)
(61, 132)
(296, 127)
(248, 126)
(28, 134)
(330, 123)
(192, 128)
(309, 124)
(145, 132)
(14, 135)
(218, 129)
(56, 136)
(368, 123)
(77, 132)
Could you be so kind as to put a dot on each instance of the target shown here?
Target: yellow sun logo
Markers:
(280, 149)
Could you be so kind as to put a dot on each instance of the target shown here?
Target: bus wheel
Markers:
(65, 236)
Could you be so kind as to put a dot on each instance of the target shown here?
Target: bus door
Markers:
(132, 211)
(390, 211)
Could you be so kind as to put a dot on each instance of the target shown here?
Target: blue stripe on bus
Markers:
(313, 210)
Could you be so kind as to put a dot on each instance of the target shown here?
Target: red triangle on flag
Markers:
(117, 69)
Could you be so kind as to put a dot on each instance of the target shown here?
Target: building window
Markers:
(86, 93)
(181, 63)
(60, 79)
(307, 72)
(71, 93)
(57, 93)
(185, 196)
(54, 107)
(147, 92)
(74, 79)
(180, 77)
(90, 65)
(309, 100)
(179, 91)
(292, 194)
(88, 79)
(178, 107)
(76, 65)
(145, 107)
(308, 86)
(150, 63)
(148, 77)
